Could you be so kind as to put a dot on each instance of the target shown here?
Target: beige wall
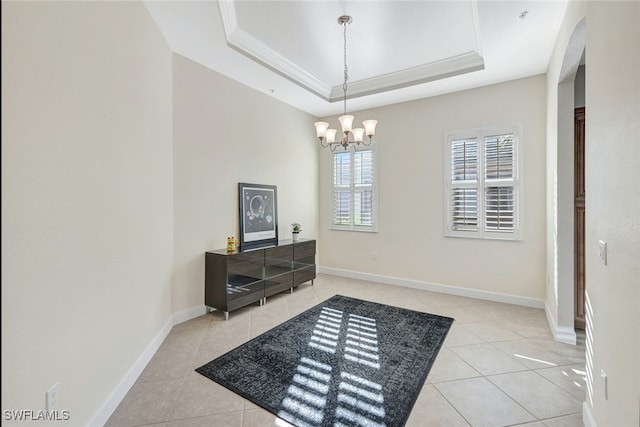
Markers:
(559, 171)
(111, 147)
(226, 133)
(410, 243)
(613, 207)
(87, 236)
(610, 32)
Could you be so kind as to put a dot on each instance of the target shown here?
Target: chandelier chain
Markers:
(350, 137)
(346, 69)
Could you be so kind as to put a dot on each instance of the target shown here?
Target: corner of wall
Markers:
(562, 334)
(116, 396)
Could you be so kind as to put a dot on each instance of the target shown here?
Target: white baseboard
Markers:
(587, 416)
(116, 396)
(562, 334)
(189, 314)
(436, 287)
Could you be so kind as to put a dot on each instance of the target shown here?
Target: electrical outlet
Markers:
(602, 251)
(52, 397)
(374, 256)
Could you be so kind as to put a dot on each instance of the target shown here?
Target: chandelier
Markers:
(351, 137)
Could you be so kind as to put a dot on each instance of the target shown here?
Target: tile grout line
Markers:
(451, 404)
(184, 379)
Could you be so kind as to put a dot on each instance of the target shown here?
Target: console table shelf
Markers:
(236, 279)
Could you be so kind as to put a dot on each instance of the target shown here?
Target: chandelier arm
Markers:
(323, 144)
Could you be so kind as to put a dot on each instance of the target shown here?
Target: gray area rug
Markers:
(344, 362)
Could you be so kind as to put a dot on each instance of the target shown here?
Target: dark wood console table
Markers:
(236, 279)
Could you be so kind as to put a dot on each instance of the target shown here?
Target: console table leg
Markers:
(226, 315)
(311, 282)
(291, 289)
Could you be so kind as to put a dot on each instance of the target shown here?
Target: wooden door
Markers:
(579, 232)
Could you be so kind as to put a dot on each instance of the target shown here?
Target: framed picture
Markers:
(258, 215)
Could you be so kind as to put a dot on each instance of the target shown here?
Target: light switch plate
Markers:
(602, 251)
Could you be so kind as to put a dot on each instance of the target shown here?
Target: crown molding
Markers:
(437, 70)
(253, 48)
(244, 43)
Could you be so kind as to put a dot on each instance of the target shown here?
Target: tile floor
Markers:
(499, 365)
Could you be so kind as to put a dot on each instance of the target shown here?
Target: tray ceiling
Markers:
(396, 50)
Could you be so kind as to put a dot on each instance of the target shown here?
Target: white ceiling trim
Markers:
(509, 46)
(449, 67)
(253, 48)
(243, 42)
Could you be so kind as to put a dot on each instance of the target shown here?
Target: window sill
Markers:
(515, 237)
(356, 229)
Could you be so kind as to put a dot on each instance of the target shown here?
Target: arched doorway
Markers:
(564, 195)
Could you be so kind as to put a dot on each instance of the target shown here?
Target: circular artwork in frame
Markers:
(258, 205)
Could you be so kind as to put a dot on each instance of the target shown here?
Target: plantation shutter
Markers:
(482, 185)
(463, 203)
(353, 188)
(499, 197)
(342, 188)
(363, 187)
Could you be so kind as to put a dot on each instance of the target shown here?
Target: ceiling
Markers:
(397, 50)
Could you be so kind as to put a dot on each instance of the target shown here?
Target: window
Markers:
(482, 185)
(354, 194)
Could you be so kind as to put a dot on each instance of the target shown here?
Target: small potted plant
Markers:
(296, 228)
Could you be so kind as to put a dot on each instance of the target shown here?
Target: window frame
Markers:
(482, 183)
(373, 228)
